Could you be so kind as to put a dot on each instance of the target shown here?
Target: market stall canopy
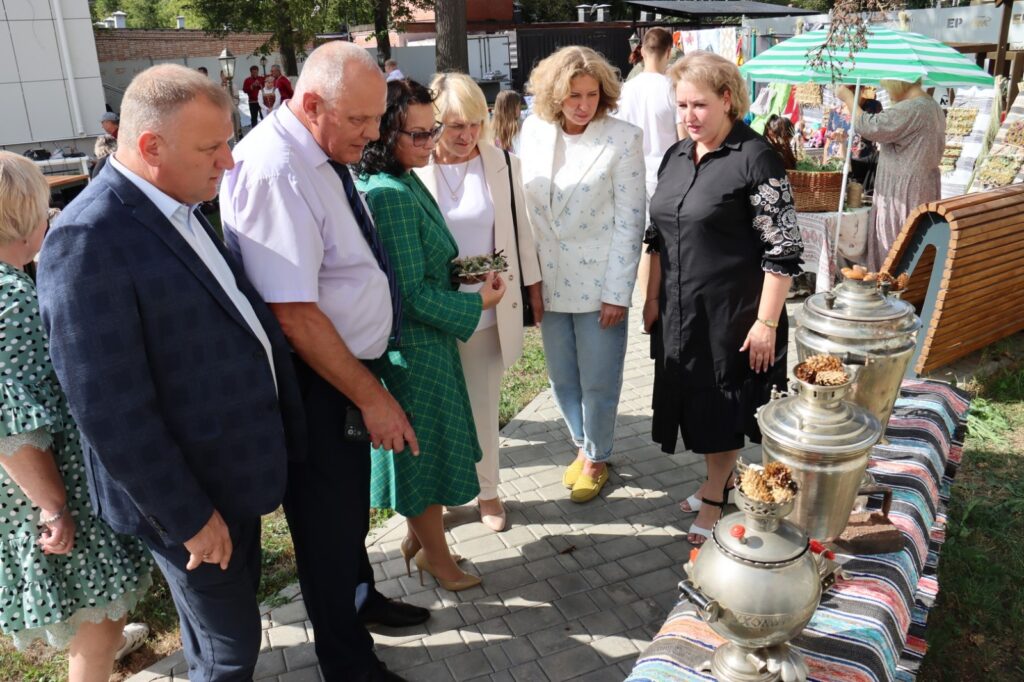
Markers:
(698, 9)
(890, 55)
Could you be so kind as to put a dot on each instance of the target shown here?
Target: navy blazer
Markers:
(170, 387)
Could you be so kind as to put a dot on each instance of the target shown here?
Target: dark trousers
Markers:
(254, 112)
(327, 503)
(219, 614)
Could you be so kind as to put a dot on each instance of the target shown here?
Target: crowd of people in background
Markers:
(170, 388)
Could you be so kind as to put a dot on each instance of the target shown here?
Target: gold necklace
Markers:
(444, 176)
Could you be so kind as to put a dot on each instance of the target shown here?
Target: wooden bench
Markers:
(965, 257)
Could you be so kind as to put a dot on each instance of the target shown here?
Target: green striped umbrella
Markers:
(892, 55)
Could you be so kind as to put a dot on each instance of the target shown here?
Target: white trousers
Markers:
(482, 365)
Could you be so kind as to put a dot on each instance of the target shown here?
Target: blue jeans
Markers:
(585, 367)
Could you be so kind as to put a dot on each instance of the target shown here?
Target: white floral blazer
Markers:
(588, 235)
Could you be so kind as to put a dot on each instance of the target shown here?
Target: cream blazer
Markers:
(589, 236)
(510, 308)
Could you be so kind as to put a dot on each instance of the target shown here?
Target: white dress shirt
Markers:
(284, 212)
(181, 217)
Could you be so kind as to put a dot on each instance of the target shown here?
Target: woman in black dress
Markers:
(725, 244)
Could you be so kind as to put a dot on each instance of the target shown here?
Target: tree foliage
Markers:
(294, 23)
(146, 13)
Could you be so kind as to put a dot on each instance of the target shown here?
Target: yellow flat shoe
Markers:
(572, 472)
(587, 488)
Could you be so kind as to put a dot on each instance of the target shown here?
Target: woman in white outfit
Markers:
(584, 176)
(474, 188)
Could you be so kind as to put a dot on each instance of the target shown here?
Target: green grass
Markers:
(520, 385)
(975, 630)
(525, 379)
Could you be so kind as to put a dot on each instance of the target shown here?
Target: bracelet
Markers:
(771, 324)
(56, 517)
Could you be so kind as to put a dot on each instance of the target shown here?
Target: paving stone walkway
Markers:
(569, 591)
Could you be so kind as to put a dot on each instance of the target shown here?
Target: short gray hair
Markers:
(324, 71)
(24, 197)
(158, 93)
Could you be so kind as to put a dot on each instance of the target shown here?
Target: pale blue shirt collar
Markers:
(305, 146)
(167, 205)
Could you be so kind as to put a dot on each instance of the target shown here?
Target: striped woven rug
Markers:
(870, 627)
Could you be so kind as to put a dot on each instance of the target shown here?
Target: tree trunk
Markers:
(381, 27)
(452, 50)
(286, 40)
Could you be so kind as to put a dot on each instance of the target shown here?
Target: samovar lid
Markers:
(816, 420)
(857, 309)
(742, 539)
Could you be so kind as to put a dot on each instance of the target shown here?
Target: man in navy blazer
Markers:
(178, 374)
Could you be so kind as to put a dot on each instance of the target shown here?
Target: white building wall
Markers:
(37, 94)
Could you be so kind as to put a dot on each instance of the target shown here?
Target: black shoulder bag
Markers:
(528, 319)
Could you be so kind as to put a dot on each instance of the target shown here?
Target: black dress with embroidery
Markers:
(718, 227)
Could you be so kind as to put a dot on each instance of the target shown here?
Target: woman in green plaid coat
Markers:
(423, 370)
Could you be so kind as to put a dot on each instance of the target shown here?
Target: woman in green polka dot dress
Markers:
(65, 577)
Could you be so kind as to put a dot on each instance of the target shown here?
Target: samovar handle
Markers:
(709, 608)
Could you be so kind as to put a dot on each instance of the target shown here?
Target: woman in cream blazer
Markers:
(469, 178)
(584, 176)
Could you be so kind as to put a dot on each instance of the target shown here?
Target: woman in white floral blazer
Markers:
(584, 176)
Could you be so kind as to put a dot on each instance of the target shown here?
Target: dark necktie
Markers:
(369, 231)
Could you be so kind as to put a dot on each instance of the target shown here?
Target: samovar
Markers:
(757, 582)
(863, 324)
(825, 441)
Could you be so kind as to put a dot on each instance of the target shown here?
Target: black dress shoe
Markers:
(378, 673)
(382, 674)
(392, 614)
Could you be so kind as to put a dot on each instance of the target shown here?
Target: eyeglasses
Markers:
(421, 137)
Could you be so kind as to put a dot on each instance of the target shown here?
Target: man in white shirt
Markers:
(648, 101)
(286, 214)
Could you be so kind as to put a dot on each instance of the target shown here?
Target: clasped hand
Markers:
(58, 537)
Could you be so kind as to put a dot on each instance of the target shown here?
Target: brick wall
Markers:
(117, 45)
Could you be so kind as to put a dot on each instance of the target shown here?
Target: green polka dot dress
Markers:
(47, 596)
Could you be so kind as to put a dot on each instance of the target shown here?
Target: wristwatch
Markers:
(771, 324)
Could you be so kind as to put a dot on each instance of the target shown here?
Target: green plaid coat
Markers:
(432, 387)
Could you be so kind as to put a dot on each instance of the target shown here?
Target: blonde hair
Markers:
(24, 197)
(458, 95)
(715, 73)
(551, 81)
(897, 89)
(156, 95)
(506, 121)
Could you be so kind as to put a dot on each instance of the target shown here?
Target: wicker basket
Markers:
(807, 94)
(815, 192)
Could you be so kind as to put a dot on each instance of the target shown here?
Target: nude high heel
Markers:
(410, 546)
(464, 583)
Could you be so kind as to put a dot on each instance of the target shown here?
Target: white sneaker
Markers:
(135, 635)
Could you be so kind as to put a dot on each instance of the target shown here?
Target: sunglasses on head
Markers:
(420, 137)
